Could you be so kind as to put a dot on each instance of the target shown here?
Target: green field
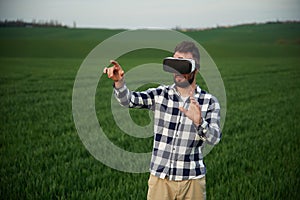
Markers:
(42, 156)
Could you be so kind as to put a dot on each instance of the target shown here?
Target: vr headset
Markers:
(180, 65)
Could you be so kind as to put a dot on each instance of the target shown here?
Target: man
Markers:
(185, 118)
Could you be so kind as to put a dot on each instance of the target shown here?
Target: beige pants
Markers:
(164, 189)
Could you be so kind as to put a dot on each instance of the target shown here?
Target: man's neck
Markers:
(185, 92)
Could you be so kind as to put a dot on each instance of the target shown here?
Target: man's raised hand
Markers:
(115, 72)
(194, 111)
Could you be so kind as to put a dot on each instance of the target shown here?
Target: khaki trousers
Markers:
(164, 189)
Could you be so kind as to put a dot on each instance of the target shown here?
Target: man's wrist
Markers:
(202, 129)
(202, 125)
(119, 84)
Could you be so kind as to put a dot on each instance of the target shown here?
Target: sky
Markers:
(165, 14)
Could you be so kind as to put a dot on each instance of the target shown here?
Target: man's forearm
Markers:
(121, 93)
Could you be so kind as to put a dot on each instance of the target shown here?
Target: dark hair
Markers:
(187, 46)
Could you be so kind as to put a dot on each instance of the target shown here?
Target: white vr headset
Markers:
(179, 65)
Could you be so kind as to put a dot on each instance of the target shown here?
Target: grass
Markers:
(42, 156)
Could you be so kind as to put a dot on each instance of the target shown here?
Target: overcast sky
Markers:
(150, 13)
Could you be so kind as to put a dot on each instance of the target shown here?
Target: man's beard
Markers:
(185, 83)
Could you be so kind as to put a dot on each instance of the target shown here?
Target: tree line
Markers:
(34, 23)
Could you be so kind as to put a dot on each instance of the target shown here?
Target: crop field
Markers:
(43, 157)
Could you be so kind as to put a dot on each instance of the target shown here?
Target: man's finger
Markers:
(110, 72)
(191, 93)
(182, 110)
(121, 73)
(115, 63)
(105, 70)
(193, 100)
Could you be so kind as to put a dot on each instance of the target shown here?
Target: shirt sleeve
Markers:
(209, 130)
(134, 99)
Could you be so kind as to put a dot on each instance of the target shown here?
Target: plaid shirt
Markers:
(177, 141)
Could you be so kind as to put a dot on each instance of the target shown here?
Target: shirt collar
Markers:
(173, 91)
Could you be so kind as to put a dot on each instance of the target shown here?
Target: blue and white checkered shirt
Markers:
(177, 141)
